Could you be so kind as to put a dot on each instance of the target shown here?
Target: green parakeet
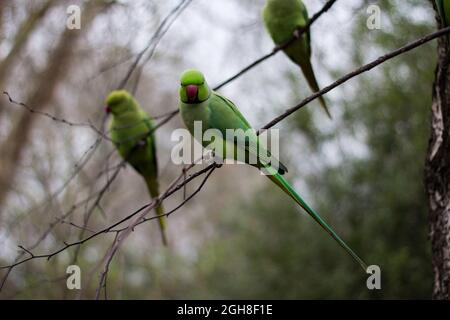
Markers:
(282, 18)
(130, 130)
(200, 103)
(444, 11)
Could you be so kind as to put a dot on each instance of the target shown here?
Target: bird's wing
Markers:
(233, 107)
(151, 141)
(302, 23)
(225, 115)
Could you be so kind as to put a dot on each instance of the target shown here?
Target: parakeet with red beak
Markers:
(282, 18)
(131, 130)
(199, 104)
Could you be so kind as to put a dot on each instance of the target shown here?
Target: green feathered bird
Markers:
(282, 18)
(199, 103)
(131, 132)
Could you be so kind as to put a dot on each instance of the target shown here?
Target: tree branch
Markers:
(365, 68)
(296, 35)
(154, 40)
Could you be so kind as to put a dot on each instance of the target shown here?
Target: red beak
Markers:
(191, 91)
(107, 109)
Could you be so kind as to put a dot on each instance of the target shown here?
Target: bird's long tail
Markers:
(286, 187)
(153, 189)
(308, 71)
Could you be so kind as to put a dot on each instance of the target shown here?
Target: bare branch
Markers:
(26, 250)
(104, 275)
(365, 68)
(297, 34)
(154, 40)
(55, 118)
(176, 12)
(171, 190)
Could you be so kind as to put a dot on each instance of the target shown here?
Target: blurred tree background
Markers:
(240, 237)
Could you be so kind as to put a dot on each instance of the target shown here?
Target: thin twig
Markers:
(176, 12)
(103, 277)
(171, 190)
(53, 117)
(122, 235)
(155, 38)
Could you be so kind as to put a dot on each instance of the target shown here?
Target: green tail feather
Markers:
(162, 224)
(311, 79)
(152, 186)
(285, 186)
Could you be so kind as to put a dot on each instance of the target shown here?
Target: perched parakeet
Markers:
(199, 103)
(282, 18)
(444, 11)
(130, 130)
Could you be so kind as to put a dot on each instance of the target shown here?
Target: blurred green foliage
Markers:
(376, 201)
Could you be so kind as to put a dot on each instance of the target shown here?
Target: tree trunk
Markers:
(437, 172)
(21, 38)
(46, 84)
